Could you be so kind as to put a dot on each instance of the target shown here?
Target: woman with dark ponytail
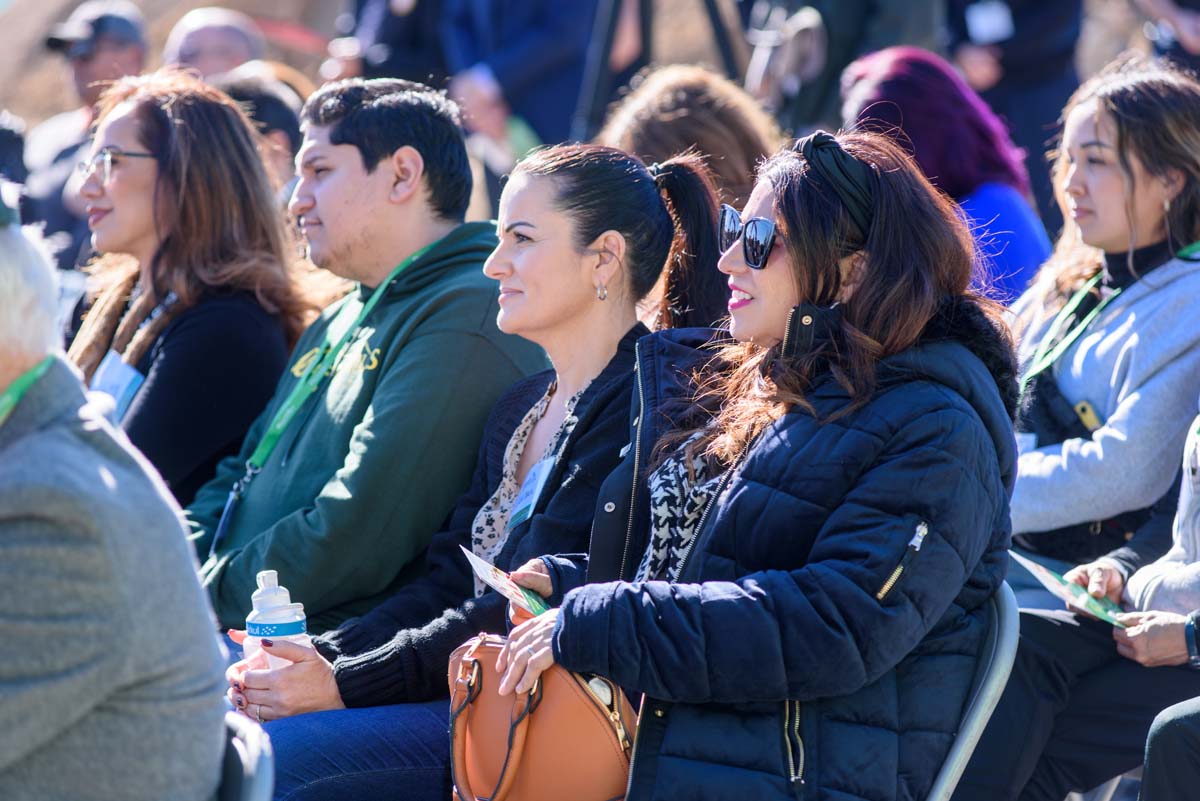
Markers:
(584, 235)
(791, 563)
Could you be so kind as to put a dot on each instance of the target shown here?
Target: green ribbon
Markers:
(17, 389)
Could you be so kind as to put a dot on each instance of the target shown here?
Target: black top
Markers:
(1117, 265)
(208, 376)
(398, 651)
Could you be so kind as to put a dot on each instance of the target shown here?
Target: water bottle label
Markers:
(275, 629)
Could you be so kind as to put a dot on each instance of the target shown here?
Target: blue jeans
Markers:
(400, 752)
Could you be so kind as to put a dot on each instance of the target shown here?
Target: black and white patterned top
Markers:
(677, 502)
(490, 528)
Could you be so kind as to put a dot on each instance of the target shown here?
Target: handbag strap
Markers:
(468, 688)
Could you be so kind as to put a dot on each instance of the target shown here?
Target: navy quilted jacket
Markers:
(822, 637)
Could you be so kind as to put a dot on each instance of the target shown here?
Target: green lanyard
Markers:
(320, 367)
(1048, 351)
(17, 389)
(316, 372)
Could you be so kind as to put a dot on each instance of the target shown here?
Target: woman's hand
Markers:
(535, 576)
(527, 654)
(1100, 578)
(1153, 639)
(306, 685)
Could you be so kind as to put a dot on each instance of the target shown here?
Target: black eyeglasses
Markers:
(104, 159)
(757, 235)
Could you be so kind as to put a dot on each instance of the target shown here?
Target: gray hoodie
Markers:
(1138, 364)
(1172, 584)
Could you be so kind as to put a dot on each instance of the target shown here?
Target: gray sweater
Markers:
(110, 674)
(1172, 584)
(1138, 365)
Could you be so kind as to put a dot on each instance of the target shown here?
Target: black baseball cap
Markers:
(116, 19)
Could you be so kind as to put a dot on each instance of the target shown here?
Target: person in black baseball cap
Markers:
(103, 40)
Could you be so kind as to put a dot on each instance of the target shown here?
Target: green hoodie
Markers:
(369, 468)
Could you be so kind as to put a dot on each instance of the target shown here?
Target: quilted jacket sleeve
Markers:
(818, 629)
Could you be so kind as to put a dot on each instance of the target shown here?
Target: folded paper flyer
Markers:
(1072, 593)
(499, 581)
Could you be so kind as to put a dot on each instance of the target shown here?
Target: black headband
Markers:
(853, 180)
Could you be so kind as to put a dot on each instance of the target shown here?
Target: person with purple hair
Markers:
(961, 146)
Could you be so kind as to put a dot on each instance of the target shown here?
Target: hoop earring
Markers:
(601, 292)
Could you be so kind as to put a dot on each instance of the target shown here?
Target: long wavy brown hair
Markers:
(218, 221)
(1155, 109)
(917, 255)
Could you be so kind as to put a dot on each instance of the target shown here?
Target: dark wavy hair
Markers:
(918, 255)
(668, 219)
(957, 140)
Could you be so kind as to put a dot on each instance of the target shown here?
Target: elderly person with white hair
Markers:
(212, 40)
(110, 675)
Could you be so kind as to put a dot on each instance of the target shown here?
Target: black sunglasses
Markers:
(757, 235)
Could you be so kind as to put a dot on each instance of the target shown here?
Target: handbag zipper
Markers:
(914, 545)
(637, 454)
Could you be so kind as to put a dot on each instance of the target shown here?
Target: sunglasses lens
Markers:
(730, 227)
(756, 241)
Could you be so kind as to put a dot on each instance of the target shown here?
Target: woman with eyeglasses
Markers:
(197, 303)
(791, 563)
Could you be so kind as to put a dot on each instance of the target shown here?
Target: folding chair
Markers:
(991, 674)
(248, 769)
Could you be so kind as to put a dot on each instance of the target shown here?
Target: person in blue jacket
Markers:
(796, 583)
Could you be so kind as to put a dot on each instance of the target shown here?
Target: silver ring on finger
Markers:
(529, 651)
(258, 712)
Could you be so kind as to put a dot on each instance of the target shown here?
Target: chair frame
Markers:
(248, 766)
(991, 675)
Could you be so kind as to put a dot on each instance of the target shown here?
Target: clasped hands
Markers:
(263, 693)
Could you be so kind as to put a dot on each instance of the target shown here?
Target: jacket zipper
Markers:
(791, 737)
(637, 454)
(914, 545)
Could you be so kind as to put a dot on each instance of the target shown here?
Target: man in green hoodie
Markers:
(372, 432)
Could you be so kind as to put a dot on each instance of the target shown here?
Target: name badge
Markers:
(1026, 442)
(119, 381)
(989, 22)
(531, 490)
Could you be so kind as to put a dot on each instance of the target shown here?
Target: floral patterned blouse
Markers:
(490, 528)
(677, 503)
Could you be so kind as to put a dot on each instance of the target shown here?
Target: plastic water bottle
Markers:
(275, 618)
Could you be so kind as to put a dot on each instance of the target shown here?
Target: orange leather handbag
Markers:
(569, 737)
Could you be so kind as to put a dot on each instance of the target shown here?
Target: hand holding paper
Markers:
(1074, 594)
(502, 583)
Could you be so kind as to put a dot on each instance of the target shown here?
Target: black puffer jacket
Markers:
(822, 638)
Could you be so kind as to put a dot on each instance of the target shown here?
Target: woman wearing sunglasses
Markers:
(197, 306)
(791, 563)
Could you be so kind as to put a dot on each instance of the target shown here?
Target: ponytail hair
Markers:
(694, 292)
(667, 215)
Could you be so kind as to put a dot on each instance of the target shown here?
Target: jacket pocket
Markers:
(793, 748)
(920, 532)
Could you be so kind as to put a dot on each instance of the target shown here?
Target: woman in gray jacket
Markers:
(110, 675)
(1109, 348)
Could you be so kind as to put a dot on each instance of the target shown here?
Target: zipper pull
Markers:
(919, 536)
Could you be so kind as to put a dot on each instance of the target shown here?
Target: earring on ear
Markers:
(601, 292)
(1167, 206)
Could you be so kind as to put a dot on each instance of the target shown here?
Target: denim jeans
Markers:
(400, 752)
